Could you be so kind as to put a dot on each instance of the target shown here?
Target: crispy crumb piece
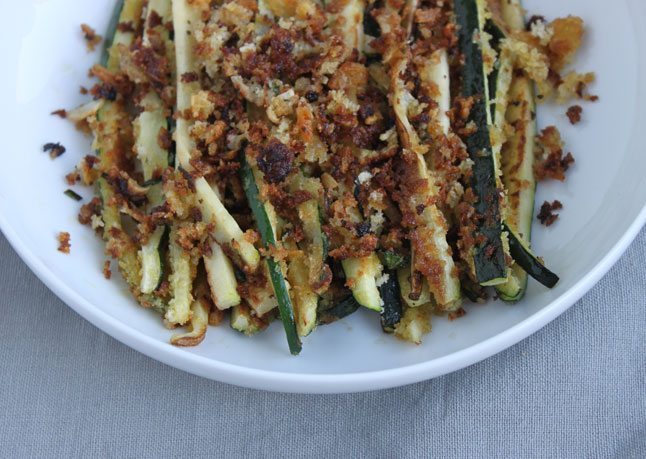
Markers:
(546, 215)
(107, 272)
(216, 316)
(55, 149)
(551, 164)
(574, 114)
(92, 208)
(91, 37)
(64, 242)
(460, 312)
(73, 178)
(61, 113)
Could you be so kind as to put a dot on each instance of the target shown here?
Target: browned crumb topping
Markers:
(551, 163)
(546, 215)
(164, 139)
(275, 161)
(90, 36)
(321, 123)
(189, 77)
(64, 242)
(574, 114)
(107, 272)
(72, 178)
(61, 113)
(460, 312)
(216, 316)
(92, 208)
(125, 27)
(55, 149)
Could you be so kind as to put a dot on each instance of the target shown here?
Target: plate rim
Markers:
(279, 381)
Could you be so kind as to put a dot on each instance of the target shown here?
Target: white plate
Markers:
(45, 61)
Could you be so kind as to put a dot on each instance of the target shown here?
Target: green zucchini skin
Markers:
(342, 309)
(489, 256)
(391, 260)
(110, 32)
(497, 35)
(391, 313)
(528, 261)
(285, 307)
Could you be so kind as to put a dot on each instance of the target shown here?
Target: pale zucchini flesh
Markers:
(243, 320)
(361, 276)
(263, 299)
(131, 12)
(517, 159)
(184, 15)
(197, 325)
(305, 300)
(518, 177)
(226, 231)
(433, 227)
(221, 278)
(181, 280)
(151, 262)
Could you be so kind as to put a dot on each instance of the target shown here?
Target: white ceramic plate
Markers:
(46, 61)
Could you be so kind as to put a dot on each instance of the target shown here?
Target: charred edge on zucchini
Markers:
(391, 312)
(529, 262)
(342, 309)
(110, 32)
(285, 307)
(489, 256)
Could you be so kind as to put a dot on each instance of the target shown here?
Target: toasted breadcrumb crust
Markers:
(551, 163)
(63, 239)
(546, 215)
(90, 36)
(107, 272)
(574, 114)
(306, 99)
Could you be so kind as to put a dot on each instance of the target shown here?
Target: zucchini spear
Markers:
(108, 138)
(220, 273)
(268, 237)
(153, 158)
(489, 255)
(515, 105)
(428, 240)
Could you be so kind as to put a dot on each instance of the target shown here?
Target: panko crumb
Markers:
(550, 161)
(90, 36)
(107, 272)
(460, 312)
(574, 114)
(546, 215)
(61, 113)
(73, 178)
(64, 242)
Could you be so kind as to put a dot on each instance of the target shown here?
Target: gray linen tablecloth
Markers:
(577, 388)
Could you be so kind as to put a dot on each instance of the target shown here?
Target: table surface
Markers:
(576, 388)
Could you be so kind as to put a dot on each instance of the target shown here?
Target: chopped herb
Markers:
(72, 194)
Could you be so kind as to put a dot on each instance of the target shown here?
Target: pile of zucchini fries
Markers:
(152, 150)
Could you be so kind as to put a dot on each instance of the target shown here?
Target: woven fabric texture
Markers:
(577, 388)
